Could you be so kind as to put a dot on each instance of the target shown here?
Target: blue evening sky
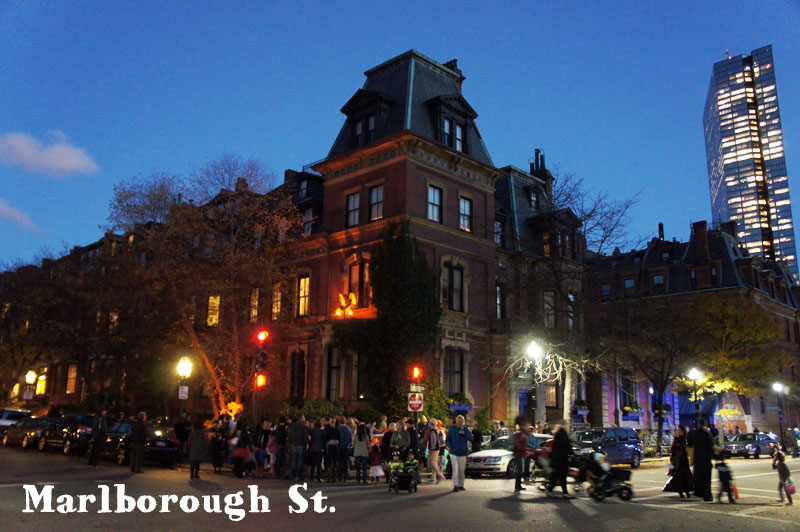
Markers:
(95, 92)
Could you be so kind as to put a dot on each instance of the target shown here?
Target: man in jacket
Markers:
(703, 454)
(457, 443)
(345, 446)
(280, 445)
(298, 439)
(138, 441)
(99, 433)
(521, 451)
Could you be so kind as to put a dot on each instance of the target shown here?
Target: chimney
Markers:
(660, 231)
(541, 162)
(535, 163)
(241, 185)
(699, 230)
(453, 65)
(730, 228)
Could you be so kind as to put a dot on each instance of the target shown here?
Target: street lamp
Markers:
(534, 351)
(30, 378)
(779, 389)
(184, 369)
(694, 376)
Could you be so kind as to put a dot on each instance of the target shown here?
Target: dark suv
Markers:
(621, 445)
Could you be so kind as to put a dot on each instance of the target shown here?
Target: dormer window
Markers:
(303, 188)
(459, 138)
(447, 127)
(365, 130)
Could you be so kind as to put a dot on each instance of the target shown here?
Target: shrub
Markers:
(367, 415)
(483, 421)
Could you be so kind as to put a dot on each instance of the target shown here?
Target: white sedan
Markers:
(497, 457)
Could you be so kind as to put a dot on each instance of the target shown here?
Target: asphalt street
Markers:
(487, 504)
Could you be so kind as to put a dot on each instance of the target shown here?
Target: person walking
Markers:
(703, 454)
(433, 445)
(196, 445)
(360, 453)
(521, 451)
(477, 438)
(457, 440)
(681, 480)
(243, 451)
(298, 439)
(559, 459)
(784, 477)
(99, 434)
(138, 441)
(725, 480)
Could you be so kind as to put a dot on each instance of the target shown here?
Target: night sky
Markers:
(95, 92)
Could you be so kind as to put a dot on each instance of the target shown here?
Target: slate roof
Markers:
(407, 85)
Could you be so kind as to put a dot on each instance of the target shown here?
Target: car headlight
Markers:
(492, 460)
(749, 447)
(585, 450)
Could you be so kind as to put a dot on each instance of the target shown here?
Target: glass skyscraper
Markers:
(744, 151)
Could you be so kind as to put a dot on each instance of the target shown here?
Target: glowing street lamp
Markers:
(694, 376)
(779, 389)
(30, 378)
(534, 351)
(184, 368)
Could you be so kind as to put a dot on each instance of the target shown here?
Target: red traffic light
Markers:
(262, 336)
(261, 380)
(416, 373)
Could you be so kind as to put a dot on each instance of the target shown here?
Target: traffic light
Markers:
(262, 335)
(261, 361)
(416, 373)
(261, 380)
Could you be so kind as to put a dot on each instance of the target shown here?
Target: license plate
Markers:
(161, 444)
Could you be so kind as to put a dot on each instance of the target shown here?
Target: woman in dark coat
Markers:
(196, 444)
(703, 454)
(681, 480)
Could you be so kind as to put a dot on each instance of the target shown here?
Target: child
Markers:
(783, 476)
(411, 465)
(725, 478)
(376, 463)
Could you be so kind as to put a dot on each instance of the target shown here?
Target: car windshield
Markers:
(502, 443)
(13, 415)
(587, 436)
(42, 422)
(744, 437)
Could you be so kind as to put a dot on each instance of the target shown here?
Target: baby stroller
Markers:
(605, 481)
(400, 478)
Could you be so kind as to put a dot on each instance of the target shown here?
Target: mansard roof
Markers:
(408, 89)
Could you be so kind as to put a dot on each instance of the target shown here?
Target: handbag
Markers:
(789, 486)
(242, 452)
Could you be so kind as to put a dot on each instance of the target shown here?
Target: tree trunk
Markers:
(567, 394)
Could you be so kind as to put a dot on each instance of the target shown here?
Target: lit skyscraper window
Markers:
(744, 151)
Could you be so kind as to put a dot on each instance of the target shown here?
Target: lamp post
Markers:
(30, 378)
(536, 354)
(184, 370)
(694, 376)
(779, 389)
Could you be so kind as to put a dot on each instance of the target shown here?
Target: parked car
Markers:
(161, 446)
(27, 431)
(71, 434)
(497, 457)
(9, 416)
(752, 444)
(621, 445)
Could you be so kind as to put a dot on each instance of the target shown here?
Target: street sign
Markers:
(183, 392)
(415, 402)
(417, 388)
(27, 395)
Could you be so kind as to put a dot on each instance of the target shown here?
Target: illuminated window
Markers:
(465, 214)
(41, 385)
(276, 301)
(253, 305)
(72, 378)
(434, 204)
(546, 244)
(213, 311)
(358, 283)
(302, 295)
(352, 209)
(113, 321)
(376, 203)
(551, 395)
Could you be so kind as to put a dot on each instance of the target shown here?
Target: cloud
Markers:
(59, 158)
(7, 212)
